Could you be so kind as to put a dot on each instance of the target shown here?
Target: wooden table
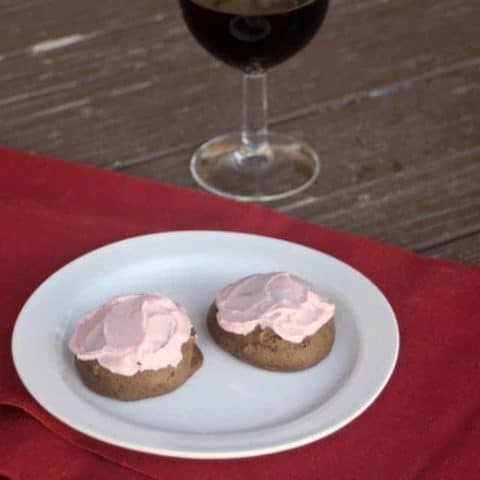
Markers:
(388, 93)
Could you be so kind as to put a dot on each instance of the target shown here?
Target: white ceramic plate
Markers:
(228, 409)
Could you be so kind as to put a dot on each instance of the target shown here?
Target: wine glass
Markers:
(254, 35)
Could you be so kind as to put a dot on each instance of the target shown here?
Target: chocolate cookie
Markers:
(144, 384)
(265, 349)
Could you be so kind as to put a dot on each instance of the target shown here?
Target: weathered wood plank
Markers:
(404, 168)
(416, 208)
(153, 84)
(370, 139)
(31, 23)
(465, 250)
(384, 135)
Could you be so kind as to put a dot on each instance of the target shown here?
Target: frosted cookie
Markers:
(275, 321)
(135, 346)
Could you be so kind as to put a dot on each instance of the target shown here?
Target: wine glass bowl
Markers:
(254, 35)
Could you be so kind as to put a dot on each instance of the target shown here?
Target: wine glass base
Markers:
(288, 167)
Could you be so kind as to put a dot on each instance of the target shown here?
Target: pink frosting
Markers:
(132, 333)
(280, 301)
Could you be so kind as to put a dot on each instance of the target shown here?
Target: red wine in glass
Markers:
(254, 35)
(249, 34)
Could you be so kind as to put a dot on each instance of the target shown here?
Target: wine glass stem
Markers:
(255, 105)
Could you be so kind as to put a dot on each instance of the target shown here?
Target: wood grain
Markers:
(388, 93)
(401, 168)
(30, 23)
(465, 249)
(155, 84)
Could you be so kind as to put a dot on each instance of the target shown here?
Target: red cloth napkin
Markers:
(425, 425)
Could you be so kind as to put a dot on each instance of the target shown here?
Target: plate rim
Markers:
(201, 455)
